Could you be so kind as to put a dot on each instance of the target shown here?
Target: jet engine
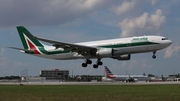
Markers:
(123, 57)
(107, 52)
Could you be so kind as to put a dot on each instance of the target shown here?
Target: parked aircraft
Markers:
(120, 48)
(126, 78)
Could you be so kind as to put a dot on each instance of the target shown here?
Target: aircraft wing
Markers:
(81, 49)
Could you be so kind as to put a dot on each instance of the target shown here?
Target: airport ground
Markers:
(90, 91)
(89, 83)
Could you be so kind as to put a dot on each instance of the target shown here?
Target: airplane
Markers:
(126, 78)
(119, 49)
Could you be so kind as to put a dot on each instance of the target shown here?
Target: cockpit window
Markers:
(164, 38)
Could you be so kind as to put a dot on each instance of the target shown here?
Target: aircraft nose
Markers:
(170, 42)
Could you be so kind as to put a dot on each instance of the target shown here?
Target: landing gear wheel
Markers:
(95, 66)
(100, 63)
(84, 65)
(88, 62)
(154, 56)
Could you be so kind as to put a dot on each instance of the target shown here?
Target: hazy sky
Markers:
(88, 20)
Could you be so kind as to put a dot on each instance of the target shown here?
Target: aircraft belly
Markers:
(131, 50)
(156, 47)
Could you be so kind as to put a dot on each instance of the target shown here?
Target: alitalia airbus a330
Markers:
(120, 49)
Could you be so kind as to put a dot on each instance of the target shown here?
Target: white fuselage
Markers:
(120, 46)
(134, 77)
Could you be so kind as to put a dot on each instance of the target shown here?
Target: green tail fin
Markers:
(27, 39)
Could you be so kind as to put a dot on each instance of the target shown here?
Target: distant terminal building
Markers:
(55, 74)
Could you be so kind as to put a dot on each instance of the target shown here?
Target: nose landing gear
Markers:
(154, 56)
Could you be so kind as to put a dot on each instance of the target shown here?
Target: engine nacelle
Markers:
(107, 52)
(123, 57)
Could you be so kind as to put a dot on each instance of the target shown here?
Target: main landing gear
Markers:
(98, 63)
(154, 56)
(86, 63)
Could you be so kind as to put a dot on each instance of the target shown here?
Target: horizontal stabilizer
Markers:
(25, 50)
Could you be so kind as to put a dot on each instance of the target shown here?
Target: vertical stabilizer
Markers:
(29, 43)
(108, 73)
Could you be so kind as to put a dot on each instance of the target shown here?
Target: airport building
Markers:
(55, 74)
